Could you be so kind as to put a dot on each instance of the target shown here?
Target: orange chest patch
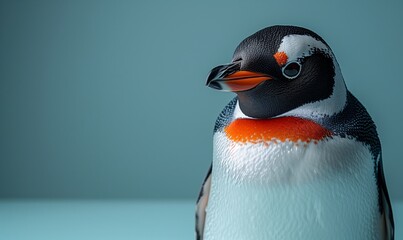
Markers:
(282, 128)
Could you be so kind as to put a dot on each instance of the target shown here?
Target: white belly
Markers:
(292, 191)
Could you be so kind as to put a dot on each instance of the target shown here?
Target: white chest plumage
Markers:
(288, 190)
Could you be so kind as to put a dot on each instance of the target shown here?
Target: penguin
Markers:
(295, 155)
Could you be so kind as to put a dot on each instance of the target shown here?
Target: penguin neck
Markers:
(238, 112)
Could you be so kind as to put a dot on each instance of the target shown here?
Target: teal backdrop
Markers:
(106, 99)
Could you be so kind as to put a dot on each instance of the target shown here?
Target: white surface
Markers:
(96, 220)
(114, 220)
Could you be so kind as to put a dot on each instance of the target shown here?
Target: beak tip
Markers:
(218, 73)
(214, 85)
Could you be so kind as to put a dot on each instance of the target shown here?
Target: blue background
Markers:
(106, 99)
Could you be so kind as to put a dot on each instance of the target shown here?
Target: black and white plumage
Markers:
(296, 155)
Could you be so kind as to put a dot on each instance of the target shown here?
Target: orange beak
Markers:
(230, 78)
(244, 80)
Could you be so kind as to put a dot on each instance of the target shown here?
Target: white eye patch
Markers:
(294, 48)
(297, 47)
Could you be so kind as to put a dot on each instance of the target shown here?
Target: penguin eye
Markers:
(292, 70)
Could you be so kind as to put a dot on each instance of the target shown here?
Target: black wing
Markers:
(201, 205)
(384, 204)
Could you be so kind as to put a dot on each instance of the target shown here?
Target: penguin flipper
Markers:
(386, 207)
(201, 205)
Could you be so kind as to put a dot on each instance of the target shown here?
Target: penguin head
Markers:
(283, 70)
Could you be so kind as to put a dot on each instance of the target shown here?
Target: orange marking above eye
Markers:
(281, 58)
(282, 128)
